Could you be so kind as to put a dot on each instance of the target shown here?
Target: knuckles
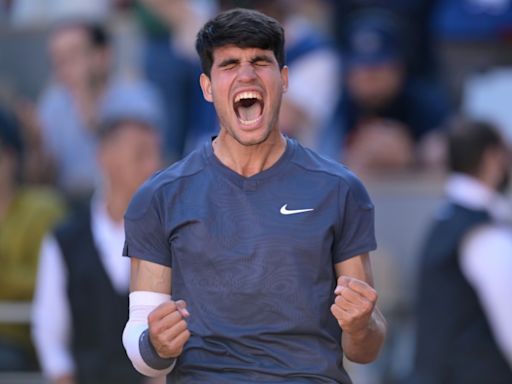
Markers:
(174, 347)
(373, 295)
(163, 343)
(168, 330)
(161, 311)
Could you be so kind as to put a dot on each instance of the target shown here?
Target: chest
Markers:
(248, 236)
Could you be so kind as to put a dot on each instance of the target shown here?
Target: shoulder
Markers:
(75, 224)
(311, 161)
(488, 237)
(487, 253)
(42, 201)
(165, 185)
(37, 210)
(54, 101)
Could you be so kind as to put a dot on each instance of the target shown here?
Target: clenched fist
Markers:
(354, 304)
(168, 330)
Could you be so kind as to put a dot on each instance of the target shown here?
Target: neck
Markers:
(248, 160)
(86, 98)
(98, 84)
(116, 201)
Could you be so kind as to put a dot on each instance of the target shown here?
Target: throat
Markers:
(248, 161)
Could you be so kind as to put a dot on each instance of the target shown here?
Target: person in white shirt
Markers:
(463, 305)
(81, 298)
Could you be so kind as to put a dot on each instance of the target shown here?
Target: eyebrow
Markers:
(232, 60)
(228, 61)
(264, 58)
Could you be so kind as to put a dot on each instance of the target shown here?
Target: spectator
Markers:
(26, 213)
(471, 36)
(69, 108)
(416, 16)
(463, 304)
(384, 113)
(171, 65)
(81, 300)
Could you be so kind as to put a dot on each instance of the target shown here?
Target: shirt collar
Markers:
(102, 224)
(471, 193)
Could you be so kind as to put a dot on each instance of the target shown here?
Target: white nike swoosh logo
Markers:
(285, 211)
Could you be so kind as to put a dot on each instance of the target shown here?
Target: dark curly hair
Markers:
(243, 28)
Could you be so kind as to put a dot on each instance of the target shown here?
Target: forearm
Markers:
(150, 288)
(364, 345)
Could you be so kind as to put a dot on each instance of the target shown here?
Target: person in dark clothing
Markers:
(263, 244)
(384, 112)
(81, 300)
(463, 300)
(416, 16)
(27, 212)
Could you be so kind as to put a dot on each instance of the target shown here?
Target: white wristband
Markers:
(141, 305)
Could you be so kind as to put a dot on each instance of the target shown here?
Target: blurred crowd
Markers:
(96, 95)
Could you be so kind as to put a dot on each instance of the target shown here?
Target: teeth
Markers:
(247, 95)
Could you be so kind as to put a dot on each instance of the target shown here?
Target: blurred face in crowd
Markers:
(129, 155)
(76, 61)
(373, 87)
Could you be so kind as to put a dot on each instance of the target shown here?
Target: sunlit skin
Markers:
(236, 70)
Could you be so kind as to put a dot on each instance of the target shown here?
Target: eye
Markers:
(228, 64)
(228, 67)
(261, 63)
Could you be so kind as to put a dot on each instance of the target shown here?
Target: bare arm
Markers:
(148, 276)
(363, 325)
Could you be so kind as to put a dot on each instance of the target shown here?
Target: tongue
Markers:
(249, 113)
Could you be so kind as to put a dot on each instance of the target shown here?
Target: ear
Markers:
(284, 78)
(206, 87)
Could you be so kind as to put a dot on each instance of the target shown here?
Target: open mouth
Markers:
(248, 107)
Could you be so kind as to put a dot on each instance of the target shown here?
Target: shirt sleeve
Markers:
(51, 323)
(145, 235)
(486, 261)
(356, 233)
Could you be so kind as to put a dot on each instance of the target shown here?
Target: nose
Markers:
(246, 72)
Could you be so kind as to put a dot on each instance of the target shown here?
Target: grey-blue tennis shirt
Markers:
(254, 258)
